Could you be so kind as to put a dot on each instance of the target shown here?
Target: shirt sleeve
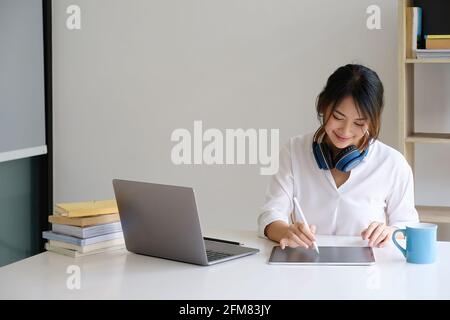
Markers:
(279, 193)
(400, 202)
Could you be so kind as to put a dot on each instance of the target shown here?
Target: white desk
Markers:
(123, 275)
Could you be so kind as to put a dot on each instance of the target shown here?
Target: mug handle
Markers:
(403, 231)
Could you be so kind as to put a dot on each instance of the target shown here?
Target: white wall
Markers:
(139, 69)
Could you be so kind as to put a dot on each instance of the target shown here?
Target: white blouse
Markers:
(379, 189)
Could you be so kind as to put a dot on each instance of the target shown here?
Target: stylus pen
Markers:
(302, 216)
(221, 240)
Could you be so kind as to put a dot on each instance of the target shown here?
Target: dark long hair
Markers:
(366, 89)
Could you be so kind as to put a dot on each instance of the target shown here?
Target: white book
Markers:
(88, 248)
(50, 235)
(433, 53)
(87, 232)
(76, 254)
(416, 27)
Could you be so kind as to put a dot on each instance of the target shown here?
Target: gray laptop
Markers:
(162, 221)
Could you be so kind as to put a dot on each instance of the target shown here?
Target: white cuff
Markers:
(267, 218)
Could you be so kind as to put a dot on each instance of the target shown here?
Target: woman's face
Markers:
(345, 126)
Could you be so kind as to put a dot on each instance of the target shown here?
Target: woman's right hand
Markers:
(297, 234)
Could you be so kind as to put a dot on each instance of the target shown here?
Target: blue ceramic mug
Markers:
(420, 242)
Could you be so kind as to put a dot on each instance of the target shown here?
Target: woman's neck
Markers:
(330, 144)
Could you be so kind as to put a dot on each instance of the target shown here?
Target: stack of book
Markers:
(437, 47)
(84, 228)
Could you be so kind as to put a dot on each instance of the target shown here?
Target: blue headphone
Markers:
(346, 159)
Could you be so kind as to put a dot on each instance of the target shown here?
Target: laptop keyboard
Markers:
(214, 255)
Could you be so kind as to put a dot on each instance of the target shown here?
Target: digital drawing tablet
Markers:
(350, 256)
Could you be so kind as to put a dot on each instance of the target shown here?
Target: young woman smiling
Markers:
(347, 182)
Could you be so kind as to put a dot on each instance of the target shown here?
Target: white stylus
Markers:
(302, 217)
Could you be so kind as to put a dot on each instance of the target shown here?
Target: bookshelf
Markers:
(407, 135)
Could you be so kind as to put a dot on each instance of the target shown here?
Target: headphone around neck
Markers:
(345, 160)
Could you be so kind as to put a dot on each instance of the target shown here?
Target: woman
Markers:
(346, 181)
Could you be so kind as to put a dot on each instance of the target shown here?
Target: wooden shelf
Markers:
(434, 214)
(427, 61)
(420, 137)
(408, 135)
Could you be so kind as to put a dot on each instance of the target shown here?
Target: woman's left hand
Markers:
(378, 234)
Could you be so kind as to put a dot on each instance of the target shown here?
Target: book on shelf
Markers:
(88, 248)
(84, 221)
(413, 30)
(437, 41)
(50, 235)
(438, 36)
(86, 208)
(433, 54)
(87, 232)
(76, 254)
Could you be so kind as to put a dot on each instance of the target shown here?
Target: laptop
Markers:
(162, 221)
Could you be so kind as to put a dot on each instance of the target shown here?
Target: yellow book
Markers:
(88, 208)
(438, 36)
(84, 221)
(437, 44)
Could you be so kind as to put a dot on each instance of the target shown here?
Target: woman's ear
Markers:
(321, 118)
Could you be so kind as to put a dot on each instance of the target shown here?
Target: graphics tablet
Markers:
(358, 256)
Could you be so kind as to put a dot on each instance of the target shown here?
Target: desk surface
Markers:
(124, 275)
